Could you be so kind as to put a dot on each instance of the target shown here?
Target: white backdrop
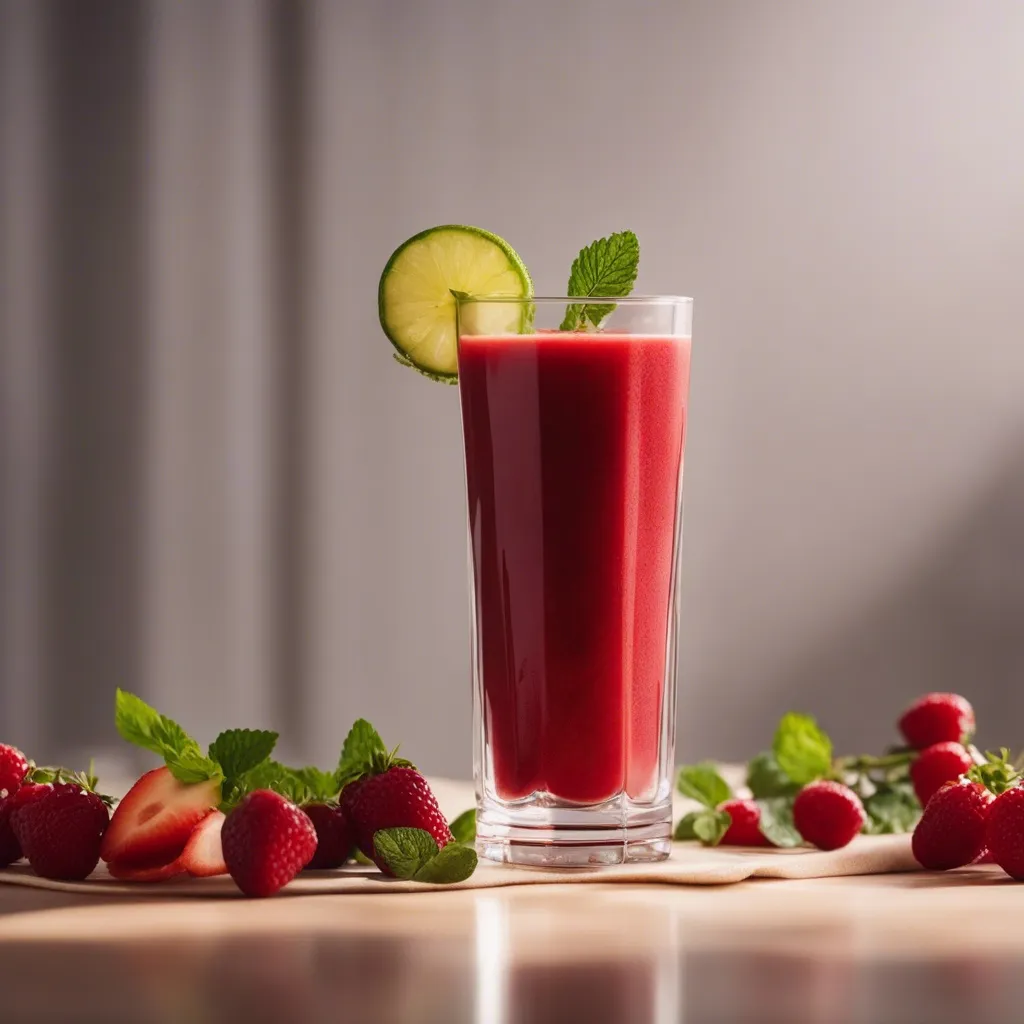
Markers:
(838, 185)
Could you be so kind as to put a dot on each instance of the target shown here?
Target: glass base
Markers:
(540, 832)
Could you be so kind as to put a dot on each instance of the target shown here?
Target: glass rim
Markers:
(588, 300)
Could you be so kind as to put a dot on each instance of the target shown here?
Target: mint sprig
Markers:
(703, 783)
(606, 268)
(412, 853)
(707, 825)
(144, 726)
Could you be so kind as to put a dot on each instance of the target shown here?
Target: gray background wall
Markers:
(216, 487)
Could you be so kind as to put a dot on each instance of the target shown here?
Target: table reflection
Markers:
(486, 958)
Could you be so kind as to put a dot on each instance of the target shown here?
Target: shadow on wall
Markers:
(957, 624)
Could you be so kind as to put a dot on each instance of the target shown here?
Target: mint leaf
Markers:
(706, 825)
(240, 750)
(777, 821)
(710, 826)
(893, 807)
(190, 766)
(605, 268)
(765, 778)
(685, 830)
(320, 786)
(702, 782)
(360, 858)
(452, 863)
(144, 726)
(801, 749)
(404, 850)
(266, 775)
(464, 826)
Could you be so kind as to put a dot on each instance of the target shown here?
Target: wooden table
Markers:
(911, 948)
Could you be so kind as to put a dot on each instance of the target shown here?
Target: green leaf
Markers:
(891, 808)
(801, 749)
(777, 821)
(362, 745)
(321, 787)
(191, 766)
(703, 783)
(607, 268)
(765, 778)
(144, 726)
(706, 825)
(452, 863)
(464, 826)
(238, 751)
(404, 850)
(360, 858)
(685, 831)
(710, 826)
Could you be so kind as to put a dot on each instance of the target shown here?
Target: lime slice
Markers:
(415, 301)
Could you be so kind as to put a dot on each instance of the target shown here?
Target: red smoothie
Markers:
(573, 463)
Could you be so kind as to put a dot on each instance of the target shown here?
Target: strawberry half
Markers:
(203, 856)
(154, 821)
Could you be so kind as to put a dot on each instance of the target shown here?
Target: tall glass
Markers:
(574, 468)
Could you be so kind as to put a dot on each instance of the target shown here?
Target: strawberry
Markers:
(267, 841)
(333, 836)
(828, 814)
(155, 819)
(203, 856)
(10, 848)
(60, 832)
(14, 767)
(1004, 831)
(381, 790)
(393, 795)
(951, 832)
(11, 810)
(937, 718)
(745, 829)
(936, 765)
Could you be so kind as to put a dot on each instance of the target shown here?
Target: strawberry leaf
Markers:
(361, 742)
(404, 850)
(453, 863)
(238, 751)
(463, 828)
(801, 749)
(703, 783)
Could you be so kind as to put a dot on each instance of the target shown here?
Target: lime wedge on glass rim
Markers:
(416, 304)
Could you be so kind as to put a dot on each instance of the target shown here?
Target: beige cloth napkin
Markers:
(690, 864)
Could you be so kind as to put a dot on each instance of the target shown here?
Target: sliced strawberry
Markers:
(154, 821)
(203, 856)
(157, 874)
